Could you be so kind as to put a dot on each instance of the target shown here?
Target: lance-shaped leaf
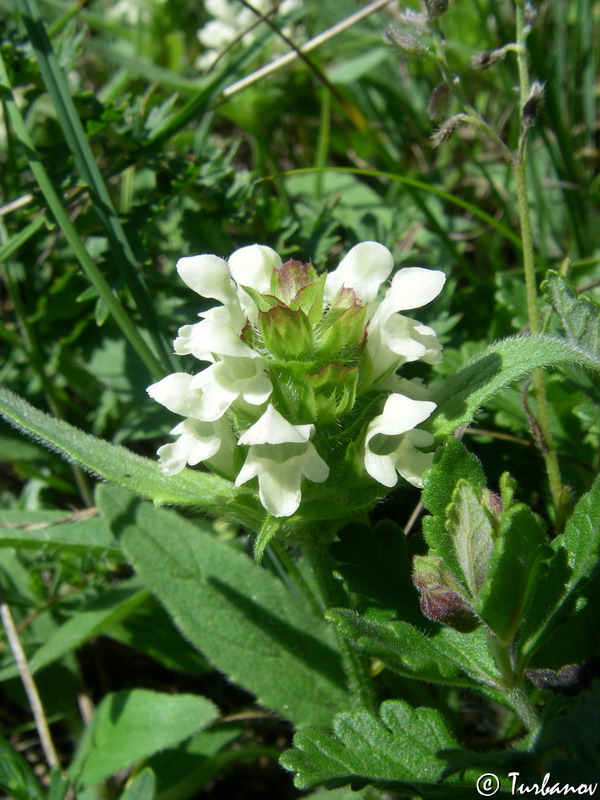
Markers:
(453, 464)
(398, 750)
(120, 466)
(496, 367)
(574, 563)
(579, 315)
(471, 532)
(242, 619)
(519, 549)
(132, 725)
(447, 657)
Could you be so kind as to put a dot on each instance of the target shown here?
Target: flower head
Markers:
(297, 363)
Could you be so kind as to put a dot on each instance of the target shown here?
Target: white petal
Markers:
(412, 287)
(197, 442)
(245, 377)
(272, 428)
(210, 400)
(172, 392)
(400, 414)
(207, 275)
(279, 490)
(314, 468)
(279, 476)
(211, 337)
(410, 462)
(394, 451)
(253, 266)
(381, 468)
(363, 269)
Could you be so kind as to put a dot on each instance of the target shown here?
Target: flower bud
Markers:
(487, 58)
(408, 45)
(442, 599)
(533, 104)
(445, 131)
(438, 100)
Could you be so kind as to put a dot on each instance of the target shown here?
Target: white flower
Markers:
(231, 20)
(393, 339)
(196, 442)
(209, 394)
(280, 455)
(391, 441)
(210, 276)
(366, 266)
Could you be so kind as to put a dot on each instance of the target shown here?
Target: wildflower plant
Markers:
(302, 364)
(400, 572)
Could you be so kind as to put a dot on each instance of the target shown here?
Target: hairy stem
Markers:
(510, 684)
(520, 175)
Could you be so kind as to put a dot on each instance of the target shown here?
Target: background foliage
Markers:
(121, 153)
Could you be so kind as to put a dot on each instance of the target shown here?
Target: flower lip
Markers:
(364, 268)
(208, 276)
(253, 266)
(273, 428)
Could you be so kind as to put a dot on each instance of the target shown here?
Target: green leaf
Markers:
(574, 563)
(149, 629)
(471, 532)
(181, 771)
(453, 464)
(59, 212)
(502, 363)
(240, 617)
(520, 546)
(119, 465)
(16, 776)
(143, 787)
(446, 657)
(55, 529)
(88, 622)
(579, 315)
(395, 751)
(131, 725)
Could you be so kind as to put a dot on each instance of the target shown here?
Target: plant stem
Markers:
(520, 175)
(333, 595)
(523, 708)
(509, 684)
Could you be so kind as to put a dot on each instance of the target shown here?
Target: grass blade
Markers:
(57, 209)
(72, 128)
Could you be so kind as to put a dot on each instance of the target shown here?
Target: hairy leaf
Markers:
(575, 561)
(131, 725)
(397, 751)
(579, 315)
(495, 368)
(520, 546)
(55, 529)
(124, 468)
(241, 618)
(453, 464)
(446, 657)
(471, 532)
